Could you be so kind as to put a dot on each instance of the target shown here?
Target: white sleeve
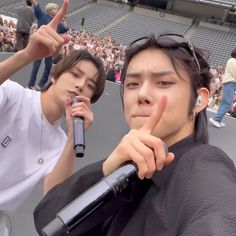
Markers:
(9, 92)
(232, 68)
(4, 94)
(1, 97)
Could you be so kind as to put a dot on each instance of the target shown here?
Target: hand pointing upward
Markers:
(46, 41)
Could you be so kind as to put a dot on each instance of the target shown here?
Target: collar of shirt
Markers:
(160, 177)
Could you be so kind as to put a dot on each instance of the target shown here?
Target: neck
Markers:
(51, 109)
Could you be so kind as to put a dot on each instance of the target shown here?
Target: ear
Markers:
(53, 79)
(202, 100)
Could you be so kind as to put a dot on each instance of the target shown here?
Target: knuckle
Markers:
(148, 153)
(142, 163)
(152, 169)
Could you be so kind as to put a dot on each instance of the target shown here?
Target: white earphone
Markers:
(199, 101)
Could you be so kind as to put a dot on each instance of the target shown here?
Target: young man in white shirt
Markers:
(32, 144)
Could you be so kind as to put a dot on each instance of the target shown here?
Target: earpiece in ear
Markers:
(199, 101)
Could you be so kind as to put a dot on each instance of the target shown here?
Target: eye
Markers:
(165, 83)
(91, 87)
(74, 74)
(131, 85)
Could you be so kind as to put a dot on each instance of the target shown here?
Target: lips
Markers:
(141, 115)
(73, 94)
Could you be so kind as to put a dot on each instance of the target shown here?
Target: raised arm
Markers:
(45, 42)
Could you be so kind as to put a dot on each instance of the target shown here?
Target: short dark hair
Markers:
(233, 53)
(28, 3)
(71, 60)
(180, 57)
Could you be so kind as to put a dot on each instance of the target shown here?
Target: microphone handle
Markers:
(74, 213)
(79, 141)
(78, 130)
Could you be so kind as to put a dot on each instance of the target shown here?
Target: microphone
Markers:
(74, 213)
(84, 205)
(78, 131)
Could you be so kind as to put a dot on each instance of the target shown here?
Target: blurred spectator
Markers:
(44, 18)
(25, 19)
(229, 89)
(216, 88)
(1, 21)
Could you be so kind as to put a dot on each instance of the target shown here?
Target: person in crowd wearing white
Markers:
(229, 89)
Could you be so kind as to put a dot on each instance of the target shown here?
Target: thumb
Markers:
(169, 158)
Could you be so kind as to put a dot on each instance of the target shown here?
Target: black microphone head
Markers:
(79, 150)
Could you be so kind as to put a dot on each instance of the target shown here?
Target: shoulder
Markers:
(12, 93)
(231, 61)
(202, 191)
(10, 89)
(206, 170)
(207, 154)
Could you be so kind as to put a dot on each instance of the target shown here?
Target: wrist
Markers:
(70, 141)
(24, 57)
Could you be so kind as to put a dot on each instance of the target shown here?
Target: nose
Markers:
(144, 96)
(79, 85)
(80, 89)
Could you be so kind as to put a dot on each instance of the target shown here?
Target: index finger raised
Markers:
(59, 16)
(155, 117)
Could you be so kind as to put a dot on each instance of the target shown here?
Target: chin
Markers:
(136, 125)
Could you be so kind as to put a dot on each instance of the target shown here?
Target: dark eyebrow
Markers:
(156, 74)
(79, 70)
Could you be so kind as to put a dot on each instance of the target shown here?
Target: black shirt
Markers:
(194, 195)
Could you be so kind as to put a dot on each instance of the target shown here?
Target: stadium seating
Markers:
(96, 17)
(137, 25)
(219, 43)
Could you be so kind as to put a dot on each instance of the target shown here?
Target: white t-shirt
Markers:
(29, 145)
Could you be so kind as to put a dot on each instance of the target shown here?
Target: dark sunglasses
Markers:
(170, 41)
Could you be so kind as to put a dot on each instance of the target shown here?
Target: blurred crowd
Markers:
(7, 35)
(111, 52)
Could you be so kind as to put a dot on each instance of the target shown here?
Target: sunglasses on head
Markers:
(170, 41)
